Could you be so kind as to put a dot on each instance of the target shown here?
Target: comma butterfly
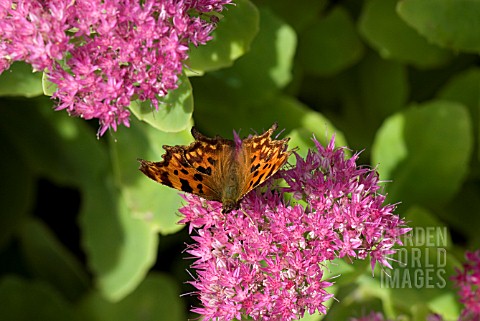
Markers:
(220, 169)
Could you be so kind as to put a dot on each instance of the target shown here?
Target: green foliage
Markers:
(448, 23)
(231, 40)
(21, 81)
(51, 261)
(387, 33)
(24, 300)
(156, 298)
(406, 142)
(175, 109)
(81, 227)
(337, 53)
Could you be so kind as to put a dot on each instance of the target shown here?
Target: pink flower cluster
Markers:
(468, 281)
(101, 53)
(266, 260)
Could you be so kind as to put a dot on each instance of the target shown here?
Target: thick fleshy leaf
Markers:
(231, 39)
(61, 269)
(174, 112)
(121, 248)
(146, 199)
(358, 299)
(350, 271)
(321, 54)
(465, 88)
(383, 87)
(461, 212)
(156, 298)
(425, 151)
(452, 24)
(49, 88)
(370, 92)
(300, 15)
(16, 189)
(385, 31)
(41, 153)
(267, 66)
(54, 144)
(26, 300)
(19, 80)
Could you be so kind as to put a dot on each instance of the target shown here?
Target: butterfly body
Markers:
(219, 169)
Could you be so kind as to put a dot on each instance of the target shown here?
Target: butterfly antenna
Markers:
(280, 133)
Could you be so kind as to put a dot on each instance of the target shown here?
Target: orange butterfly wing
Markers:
(265, 157)
(190, 168)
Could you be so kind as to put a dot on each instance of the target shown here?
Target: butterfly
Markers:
(220, 169)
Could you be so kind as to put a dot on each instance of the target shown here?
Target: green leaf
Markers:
(267, 67)
(349, 270)
(451, 24)
(84, 156)
(121, 248)
(428, 230)
(465, 88)
(370, 92)
(16, 190)
(49, 88)
(358, 299)
(146, 199)
(370, 289)
(383, 87)
(156, 298)
(174, 112)
(50, 260)
(300, 15)
(19, 80)
(446, 305)
(26, 300)
(321, 54)
(231, 39)
(385, 31)
(458, 213)
(54, 144)
(42, 153)
(425, 151)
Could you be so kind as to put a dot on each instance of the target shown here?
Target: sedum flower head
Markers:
(266, 259)
(101, 53)
(468, 282)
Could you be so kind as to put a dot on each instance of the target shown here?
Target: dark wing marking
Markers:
(267, 156)
(175, 172)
